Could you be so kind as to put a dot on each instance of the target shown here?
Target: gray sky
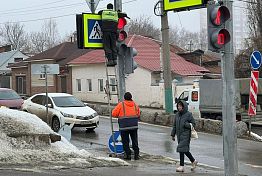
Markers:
(32, 13)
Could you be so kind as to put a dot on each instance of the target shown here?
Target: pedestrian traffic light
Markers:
(218, 35)
(122, 33)
(130, 64)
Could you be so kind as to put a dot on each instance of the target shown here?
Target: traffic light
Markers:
(122, 33)
(218, 36)
(130, 64)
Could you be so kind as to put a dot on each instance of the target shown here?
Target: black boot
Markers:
(127, 157)
(137, 157)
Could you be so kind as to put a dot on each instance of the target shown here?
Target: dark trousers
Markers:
(109, 41)
(125, 140)
(182, 157)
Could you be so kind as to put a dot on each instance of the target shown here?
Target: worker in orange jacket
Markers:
(128, 114)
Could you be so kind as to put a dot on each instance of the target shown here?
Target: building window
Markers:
(42, 76)
(113, 82)
(100, 85)
(78, 84)
(89, 85)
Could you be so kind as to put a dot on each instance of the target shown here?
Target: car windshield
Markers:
(9, 95)
(67, 101)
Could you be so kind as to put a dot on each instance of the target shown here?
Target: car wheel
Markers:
(55, 124)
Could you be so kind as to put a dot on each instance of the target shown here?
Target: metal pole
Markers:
(46, 92)
(92, 3)
(166, 62)
(120, 63)
(118, 5)
(229, 111)
(249, 124)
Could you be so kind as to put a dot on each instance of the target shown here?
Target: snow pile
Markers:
(16, 151)
(19, 122)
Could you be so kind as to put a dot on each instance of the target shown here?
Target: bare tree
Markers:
(185, 39)
(242, 65)
(50, 31)
(144, 26)
(45, 39)
(14, 34)
(255, 23)
(38, 42)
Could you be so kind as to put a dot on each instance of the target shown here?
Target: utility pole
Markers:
(228, 107)
(166, 61)
(92, 3)
(120, 62)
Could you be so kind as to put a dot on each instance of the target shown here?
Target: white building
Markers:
(89, 74)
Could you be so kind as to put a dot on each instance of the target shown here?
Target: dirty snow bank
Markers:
(14, 151)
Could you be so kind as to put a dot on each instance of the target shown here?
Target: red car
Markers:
(9, 98)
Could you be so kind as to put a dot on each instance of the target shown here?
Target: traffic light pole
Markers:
(166, 61)
(120, 63)
(92, 6)
(229, 112)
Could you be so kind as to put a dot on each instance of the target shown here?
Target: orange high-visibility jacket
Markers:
(127, 113)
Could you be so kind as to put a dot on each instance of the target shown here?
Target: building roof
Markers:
(148, 57)
(5, 56)
(61, 54)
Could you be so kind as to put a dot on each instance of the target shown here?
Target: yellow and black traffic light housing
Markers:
(218, 35)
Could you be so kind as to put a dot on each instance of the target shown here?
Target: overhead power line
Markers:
(29, 7)
(41, 9)
(59, 16)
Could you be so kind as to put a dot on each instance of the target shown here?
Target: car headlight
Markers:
(95, 114)
(67, 115)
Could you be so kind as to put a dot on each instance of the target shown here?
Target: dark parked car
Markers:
(9, 98)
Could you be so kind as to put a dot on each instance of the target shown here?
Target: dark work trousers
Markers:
(182, 157)
(109, 41)
(125, 140)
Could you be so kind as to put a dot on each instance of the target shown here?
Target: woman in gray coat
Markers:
(182, 129)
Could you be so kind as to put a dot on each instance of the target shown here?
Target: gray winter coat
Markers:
(182, 128)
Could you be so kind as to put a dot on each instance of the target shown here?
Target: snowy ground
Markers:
(18, 152)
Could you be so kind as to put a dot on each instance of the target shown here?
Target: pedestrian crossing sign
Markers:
(92, 32)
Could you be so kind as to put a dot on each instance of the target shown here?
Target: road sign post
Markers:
(253, 96)
(45, 69)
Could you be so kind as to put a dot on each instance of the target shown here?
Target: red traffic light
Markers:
(121, 23)
(122, 35)
(220, 38)
(218, 35)
(219, 15)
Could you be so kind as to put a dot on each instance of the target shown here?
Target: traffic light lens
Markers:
(219, 15)
(122, 36)
(121, 23)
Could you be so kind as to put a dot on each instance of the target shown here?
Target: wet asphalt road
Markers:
(155, 140)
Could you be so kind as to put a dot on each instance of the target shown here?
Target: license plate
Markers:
(85, 122)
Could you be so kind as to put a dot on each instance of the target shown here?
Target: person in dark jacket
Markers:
(182, 129)
(128, 114)
(109, 29)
